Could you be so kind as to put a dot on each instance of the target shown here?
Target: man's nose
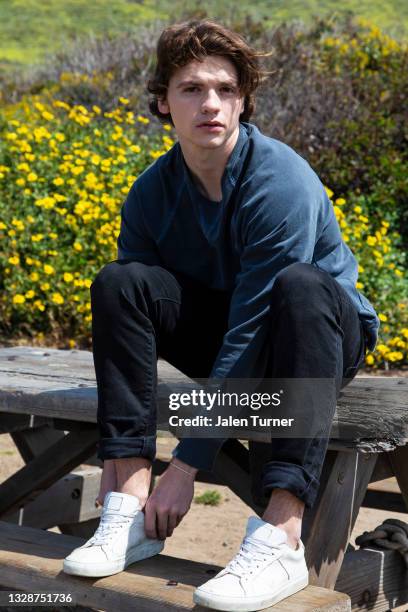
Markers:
(211, 100)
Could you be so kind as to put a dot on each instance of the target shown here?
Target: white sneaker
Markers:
(119, 540)
(265, 571)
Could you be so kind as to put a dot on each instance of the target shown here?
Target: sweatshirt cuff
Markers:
(199, 453)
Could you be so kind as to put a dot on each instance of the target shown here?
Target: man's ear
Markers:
(163, 106)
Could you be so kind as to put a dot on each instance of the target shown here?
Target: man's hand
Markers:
(170, 500)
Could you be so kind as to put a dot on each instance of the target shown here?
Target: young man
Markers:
(231, 265)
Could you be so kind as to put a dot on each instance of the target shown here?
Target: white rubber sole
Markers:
(248, 604)
(97, 570)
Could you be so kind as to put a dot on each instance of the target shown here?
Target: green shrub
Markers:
(208, 498)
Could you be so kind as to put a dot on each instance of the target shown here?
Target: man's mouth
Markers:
(211, 125)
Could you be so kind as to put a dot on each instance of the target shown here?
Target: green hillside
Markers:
(30, 29)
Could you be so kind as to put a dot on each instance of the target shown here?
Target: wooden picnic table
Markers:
(48, 405)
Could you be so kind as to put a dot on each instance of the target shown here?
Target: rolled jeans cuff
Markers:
(199, 453)
(120, 448)
(293, 478)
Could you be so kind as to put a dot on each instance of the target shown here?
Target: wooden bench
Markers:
(48, 404)
(163, 583)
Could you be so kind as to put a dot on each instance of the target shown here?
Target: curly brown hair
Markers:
(183, 42)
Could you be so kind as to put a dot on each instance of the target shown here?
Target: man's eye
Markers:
(192, 87)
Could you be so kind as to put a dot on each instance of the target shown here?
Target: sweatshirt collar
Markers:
(231, 171)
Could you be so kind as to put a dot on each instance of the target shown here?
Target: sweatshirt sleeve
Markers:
(134, 241)
(278, 228)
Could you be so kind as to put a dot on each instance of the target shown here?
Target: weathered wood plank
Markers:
(31, 560)
(375, 579)
(399, 462)
(232, 468)
(70, 500)
(61, 384)
(340, 498)
(31, 442)
(45, 469)
(384, 495)
(19, 422)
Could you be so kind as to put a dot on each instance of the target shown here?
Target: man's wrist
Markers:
(184, 467)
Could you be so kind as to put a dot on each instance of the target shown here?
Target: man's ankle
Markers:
(133, 476)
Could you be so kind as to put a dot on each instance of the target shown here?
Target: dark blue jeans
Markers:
(140, 312)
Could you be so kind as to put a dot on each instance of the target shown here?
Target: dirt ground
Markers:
(204, 535)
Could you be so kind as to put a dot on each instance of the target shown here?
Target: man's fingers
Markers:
(150, 521)
(162, 522)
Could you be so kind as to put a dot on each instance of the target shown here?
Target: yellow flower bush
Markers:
(382, 278)
(64, 173)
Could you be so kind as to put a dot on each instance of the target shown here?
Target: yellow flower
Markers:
(124, 101)
(71, 343)
(77, 170)
(358, 209)
(30, 294)
(58, 181)
(34, 276)
(77, 246)
(383, 317)
(68, 277)
(45, 286)
(382, 349)
(371, 240)
(369, 360)
(57, 298)
(15, 260)
(359, 285)
(2, 226)
(18, 299)
(32, 177)
(39, 305)
(398, 272)
(49, 269)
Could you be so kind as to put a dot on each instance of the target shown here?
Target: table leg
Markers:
(329, 524)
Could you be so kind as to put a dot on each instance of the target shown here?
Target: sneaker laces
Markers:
(249, 553)
(108, 527)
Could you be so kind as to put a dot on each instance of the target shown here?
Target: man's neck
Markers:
(207, 165)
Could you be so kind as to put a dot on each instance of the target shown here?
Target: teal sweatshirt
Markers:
(274, 211)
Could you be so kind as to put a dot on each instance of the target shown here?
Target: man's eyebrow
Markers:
(195, 82)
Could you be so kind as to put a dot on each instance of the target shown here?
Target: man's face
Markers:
(200, 92)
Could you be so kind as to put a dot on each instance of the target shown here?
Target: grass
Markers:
(25, 25)
(208, 498)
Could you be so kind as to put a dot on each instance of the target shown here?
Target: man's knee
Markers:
(299, 281)
(117, 275)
